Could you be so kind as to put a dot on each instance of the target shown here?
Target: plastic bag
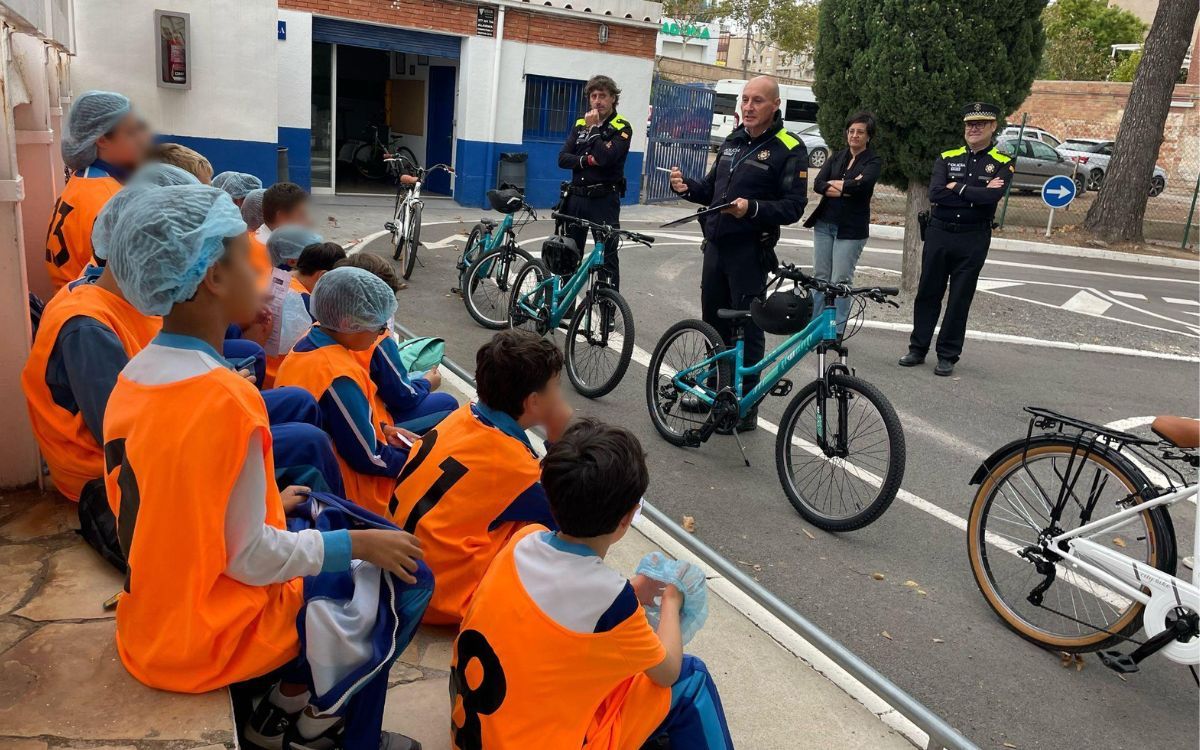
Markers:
(689, 579)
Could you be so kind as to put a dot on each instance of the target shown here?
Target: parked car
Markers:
(1032, 133)
(1093, 155)
(1037, 162)
(818, 150)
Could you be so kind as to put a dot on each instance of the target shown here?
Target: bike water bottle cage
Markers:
(783, 312)
(561, 255)
(507, 200)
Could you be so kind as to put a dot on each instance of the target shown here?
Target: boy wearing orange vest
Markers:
(472, 482)
(103, 143)
(354, 308)
(555, 650)
(218, 589)
(283, 203)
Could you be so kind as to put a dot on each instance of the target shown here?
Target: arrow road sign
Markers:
(1058, 191)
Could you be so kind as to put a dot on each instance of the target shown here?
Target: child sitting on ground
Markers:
(237, 184)
(354, 308)
(185, 158)
(413, 403)
(216, 584)
(555, 650)
(481, 469)
(283, 203)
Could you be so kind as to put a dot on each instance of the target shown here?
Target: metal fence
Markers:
(942, 736)
(680, 124)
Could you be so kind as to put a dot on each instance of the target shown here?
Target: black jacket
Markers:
(971, 201)
(851, 211)
(771, 171)
(606, 144)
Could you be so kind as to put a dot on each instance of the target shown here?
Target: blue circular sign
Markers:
(1058, 191)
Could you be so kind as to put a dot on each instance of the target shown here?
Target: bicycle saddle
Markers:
(1178, 431)
(725, 314)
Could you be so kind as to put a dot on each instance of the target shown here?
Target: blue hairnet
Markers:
(157, 174)
(286, 242)
(237, 184)
(92, 115)
(106, 220)
(350, 300)
(252, 209)
(166, 239)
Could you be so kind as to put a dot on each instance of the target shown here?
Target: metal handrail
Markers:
(942, 736)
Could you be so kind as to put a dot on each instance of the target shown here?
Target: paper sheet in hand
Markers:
(697, 215)
(280, 281)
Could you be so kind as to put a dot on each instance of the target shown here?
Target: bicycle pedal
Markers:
(692, 439)
(782, 388)
(1118, 662)
(390, 226)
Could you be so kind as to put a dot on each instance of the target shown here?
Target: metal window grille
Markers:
(552, 105)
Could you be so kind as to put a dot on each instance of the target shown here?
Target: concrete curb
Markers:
(888, 232)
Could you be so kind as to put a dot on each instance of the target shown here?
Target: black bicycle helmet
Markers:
(561, 254)
(507, 200)
(783, 313)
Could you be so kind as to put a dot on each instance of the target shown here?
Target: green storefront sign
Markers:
(691, 30)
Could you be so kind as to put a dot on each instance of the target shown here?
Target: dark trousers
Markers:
(602, 209)
(953, 258)
(731, 278)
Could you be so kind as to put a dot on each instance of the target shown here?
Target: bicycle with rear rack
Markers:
(491, 258)
(1071, 541)
(840, 448)
(405, 226)
(370, 158)
(600, 331)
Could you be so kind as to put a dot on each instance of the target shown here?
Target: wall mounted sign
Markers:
(485, 21)
(172, 36)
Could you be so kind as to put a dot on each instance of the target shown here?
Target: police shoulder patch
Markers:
(954, 152)
(625, 134)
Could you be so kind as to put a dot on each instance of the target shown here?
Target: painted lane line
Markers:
(1177, 301)
(1127, 295)
(988, 285)
(1085, 302)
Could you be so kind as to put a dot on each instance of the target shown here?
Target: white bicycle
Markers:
(1071, 543)
(405, 225)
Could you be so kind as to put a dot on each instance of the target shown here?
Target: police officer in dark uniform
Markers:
(595, 153)
(968, 182)
(763, 170)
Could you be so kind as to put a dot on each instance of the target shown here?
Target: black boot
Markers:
(944, 367)
(912, 359)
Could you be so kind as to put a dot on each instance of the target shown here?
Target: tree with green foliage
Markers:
(1080, 35)
(793, 26)
(914, 65)
(1128, 66)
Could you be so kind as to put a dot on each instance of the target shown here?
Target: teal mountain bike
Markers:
(492, 258)
(839, 450)
(600, 331)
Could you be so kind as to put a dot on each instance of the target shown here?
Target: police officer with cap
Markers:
(967, 183)
(595, 153)
(762, 170)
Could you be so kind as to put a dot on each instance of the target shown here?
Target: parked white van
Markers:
(798, 104)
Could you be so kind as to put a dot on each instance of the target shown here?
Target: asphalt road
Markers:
(945, 647)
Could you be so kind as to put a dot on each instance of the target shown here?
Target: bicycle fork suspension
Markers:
(839, 445)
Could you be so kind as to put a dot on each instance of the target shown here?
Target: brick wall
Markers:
(1093, 109)
(459, 18)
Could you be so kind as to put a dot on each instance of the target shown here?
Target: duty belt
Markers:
(952, 226)
(592, 191)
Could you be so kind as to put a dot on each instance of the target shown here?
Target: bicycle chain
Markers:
(1088, 624)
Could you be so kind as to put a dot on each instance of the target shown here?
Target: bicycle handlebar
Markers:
(876, 293)
(605, 229)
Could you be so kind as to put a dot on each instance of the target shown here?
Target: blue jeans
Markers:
(834, 261)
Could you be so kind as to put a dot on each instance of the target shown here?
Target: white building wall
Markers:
(295, 71)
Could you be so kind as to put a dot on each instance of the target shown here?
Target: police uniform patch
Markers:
(990, 168)
(608, 144)
(764, 155)
(625, 134)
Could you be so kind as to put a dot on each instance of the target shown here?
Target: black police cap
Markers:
(980, 111)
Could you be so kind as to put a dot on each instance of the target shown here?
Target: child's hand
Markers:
(248, 374)
(556, 423)
(394, 551)
(398, 437)
(646, 588)
(259, 330)
(434, 376)
(672, 599)
(293, 496)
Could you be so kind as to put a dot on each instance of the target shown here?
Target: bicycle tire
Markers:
(894, 469)
(405, 152)
(399, 239)
(370, 166)
(465, 260)
(537, 269)
(600, 298)
(658, 383)
(1160, 541)
(414, 241)
(498, 263)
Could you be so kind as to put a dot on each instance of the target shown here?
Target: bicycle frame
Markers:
(561, 296)
(495, 238)
(821, 329)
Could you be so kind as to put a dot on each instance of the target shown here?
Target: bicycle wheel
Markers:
(1012, 509)
(685, 344)
(599, 342)
(470, 253)
(488, 283)
(413, 241)
(537, 301)
(368, 162)
(841, 493)
(410, 162)
(400, 235)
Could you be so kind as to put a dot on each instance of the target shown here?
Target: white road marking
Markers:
(1177, 301)
(1127, 295)
(1085, 302)
(988, 285)
(447, 242)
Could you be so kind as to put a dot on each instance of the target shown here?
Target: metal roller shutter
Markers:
(384, 37)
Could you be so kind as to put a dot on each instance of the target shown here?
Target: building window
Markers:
(798, 111)
(552, 105)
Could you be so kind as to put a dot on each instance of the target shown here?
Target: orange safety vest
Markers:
(260, 258)
(519, 680)
(460, 476)
(69, 238)
(66, 443)
(364, 358)
(274, 360)
(315, 371)
(182, 624)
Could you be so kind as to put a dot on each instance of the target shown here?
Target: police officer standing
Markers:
(763, 171)
(967, 183)
(595, 153)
